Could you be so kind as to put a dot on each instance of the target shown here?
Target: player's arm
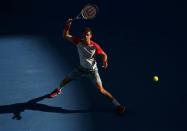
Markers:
(66, 31)
(101, 53)
(105, 59)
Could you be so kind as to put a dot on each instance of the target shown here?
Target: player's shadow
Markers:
(18, 108)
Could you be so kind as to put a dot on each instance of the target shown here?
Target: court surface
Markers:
(31, 67)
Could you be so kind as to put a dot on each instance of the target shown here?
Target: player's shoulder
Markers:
(99, 50)
(94, 43)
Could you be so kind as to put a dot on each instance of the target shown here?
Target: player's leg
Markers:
(103, 91)
(97, 81)
(119, 108)
(65, 81)
(71, 76)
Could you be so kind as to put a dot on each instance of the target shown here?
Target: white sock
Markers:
(115, 102)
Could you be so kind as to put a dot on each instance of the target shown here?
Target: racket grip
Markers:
(76, 18)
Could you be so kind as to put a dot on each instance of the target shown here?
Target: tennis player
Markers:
(87, 50)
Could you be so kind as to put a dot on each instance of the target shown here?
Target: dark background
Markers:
(141, 38)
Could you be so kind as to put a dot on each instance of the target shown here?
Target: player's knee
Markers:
(102, 90)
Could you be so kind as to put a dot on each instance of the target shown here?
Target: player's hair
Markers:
(87, 29)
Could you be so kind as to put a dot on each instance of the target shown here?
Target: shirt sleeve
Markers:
(99, 50)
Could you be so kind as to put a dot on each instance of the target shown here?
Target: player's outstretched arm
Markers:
(66, 32)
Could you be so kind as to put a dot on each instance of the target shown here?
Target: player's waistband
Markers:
(85, 70)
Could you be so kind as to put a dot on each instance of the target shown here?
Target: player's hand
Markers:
(105, 64)
(69, 21)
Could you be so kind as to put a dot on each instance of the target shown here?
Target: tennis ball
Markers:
(155, 78)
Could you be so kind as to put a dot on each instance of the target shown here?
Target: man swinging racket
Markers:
(87, 50)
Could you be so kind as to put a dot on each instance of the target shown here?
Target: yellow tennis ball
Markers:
(155, 78)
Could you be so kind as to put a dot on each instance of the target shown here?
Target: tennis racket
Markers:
(88, 12)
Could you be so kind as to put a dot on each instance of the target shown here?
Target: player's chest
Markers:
(87, 49)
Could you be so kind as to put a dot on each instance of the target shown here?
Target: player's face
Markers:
(87, 36)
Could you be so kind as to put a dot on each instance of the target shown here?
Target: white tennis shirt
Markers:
(87, 53)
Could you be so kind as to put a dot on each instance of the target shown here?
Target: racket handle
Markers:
(76, 18)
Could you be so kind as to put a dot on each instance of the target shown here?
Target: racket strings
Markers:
(89, 12)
